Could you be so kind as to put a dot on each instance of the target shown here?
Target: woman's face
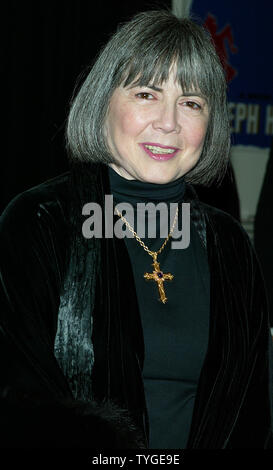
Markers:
(156, 133)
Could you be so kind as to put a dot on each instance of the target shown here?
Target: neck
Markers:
(134, 191)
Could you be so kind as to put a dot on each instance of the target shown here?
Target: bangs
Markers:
(194, 71)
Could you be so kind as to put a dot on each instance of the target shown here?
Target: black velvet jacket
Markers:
(60, 348)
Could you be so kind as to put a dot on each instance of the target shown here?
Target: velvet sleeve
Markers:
(37, 408)
(31, 274)
(256, 412)
(235, 386)
(255, 419)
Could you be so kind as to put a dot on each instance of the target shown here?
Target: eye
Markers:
(144, 95)
(192, 105)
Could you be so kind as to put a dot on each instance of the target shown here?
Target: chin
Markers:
(161, 178)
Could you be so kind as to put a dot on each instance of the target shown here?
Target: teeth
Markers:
(159, 149)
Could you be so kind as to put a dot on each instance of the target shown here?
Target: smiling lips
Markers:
(158, 151)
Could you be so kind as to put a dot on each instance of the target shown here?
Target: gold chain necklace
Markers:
(157, 275)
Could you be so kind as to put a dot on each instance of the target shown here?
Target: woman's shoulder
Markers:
(222, 220)
(219, 220)
(227, 233)
(49, 199)
(34, 236)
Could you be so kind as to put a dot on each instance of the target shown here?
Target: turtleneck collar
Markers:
(134, 191)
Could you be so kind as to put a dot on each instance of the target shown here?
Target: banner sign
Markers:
(243, 35)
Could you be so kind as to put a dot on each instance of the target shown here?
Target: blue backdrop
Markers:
(243, 34)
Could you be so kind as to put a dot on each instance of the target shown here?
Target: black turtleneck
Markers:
(134, 191)
(175, 333)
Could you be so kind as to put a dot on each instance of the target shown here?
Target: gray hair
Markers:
(142, 51)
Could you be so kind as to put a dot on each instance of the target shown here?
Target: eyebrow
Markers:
(155, 88)
(152, 87)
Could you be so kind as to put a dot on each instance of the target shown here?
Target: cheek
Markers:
(130, 125)
(125, 122)
(197, 135)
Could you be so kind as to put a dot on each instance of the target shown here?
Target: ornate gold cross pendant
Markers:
(158, 276)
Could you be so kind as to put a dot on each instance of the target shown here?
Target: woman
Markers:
(92, 331)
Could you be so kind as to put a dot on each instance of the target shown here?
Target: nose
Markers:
(167, 119)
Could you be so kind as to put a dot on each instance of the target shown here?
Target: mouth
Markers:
(158, 151)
